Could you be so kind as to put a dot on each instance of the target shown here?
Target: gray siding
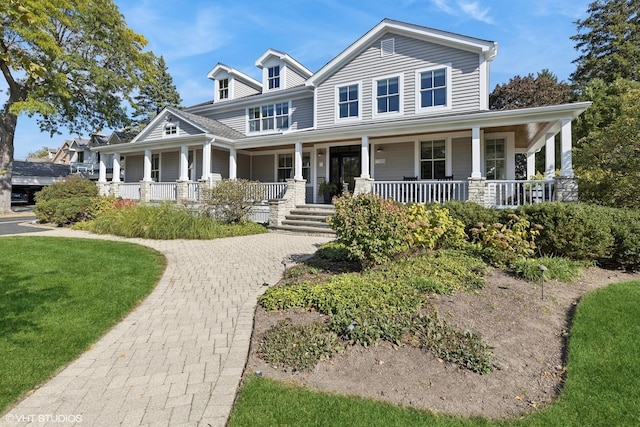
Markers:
(169, 166)
(461, 161)
(134, 169)
(244, 166)
(184, 129)
(410, 55)
(235, 119)
(302, 113)
(220, 162)
(399, 161)
(263, 167)
(241, 89)
(293, 79)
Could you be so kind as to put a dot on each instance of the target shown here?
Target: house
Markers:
(402, 112)
(27, 178)
(78, 153)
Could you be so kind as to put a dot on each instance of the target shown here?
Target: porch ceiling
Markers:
(525, 134)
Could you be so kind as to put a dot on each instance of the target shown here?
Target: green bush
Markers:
(562, 269)
(576, 231)
(625, 228)
(432, 227)
(230, 201)
(372, 230)
(66, 202)
(470, 214)
(504, 244)
(298, 346)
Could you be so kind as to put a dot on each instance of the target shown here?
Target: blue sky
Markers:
(195, 35)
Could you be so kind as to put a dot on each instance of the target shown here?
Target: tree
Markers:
(155, 94)
(530, 91)
(71, 63)
(42, 153)
(609, 42)
(607, 155)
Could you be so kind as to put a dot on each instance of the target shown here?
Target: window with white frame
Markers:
(388, 95)
(348, 102)
(285, 166)
(155, 167)
(170, 129)
(433, 88)
(433, 159)
(274, 77)
(223, 89)
(306, 166)
(495, 159)
(268, 117)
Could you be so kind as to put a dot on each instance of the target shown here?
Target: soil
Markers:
(528, 335)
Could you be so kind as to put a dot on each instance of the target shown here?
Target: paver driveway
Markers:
(178, 358)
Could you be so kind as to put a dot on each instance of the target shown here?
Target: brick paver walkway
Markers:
(178, 358)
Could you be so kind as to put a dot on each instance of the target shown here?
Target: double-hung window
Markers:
(495, 158)
(285, 167)
(269, 117)
(348, 105)
(155, 167)
(388, 95)
(223, 89)
(274, 77)
(434, 90)
(170, 129)
(432, 159)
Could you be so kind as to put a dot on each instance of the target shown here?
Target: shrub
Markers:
(230, 200)
(503, 244)
(562, 269)
(372, 230)
(66, 202)
(470, 214)
(433, 227)
(575, 231)
(298, 346)
(625, 229)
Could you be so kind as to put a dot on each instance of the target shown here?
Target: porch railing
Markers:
(193, 191)
(507, 194)
(421, 191)
(129, 191)
(163, 191)
(266, 191)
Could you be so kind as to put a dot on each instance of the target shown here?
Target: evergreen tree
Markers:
(156, 93)
(609, 42)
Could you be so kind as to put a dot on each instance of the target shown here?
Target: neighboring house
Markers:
(29, 177)
(402, 112)
(78, 153)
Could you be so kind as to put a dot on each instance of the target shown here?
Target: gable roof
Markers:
(41, 169)
(236, 74)
(288, 60)
(487, 48)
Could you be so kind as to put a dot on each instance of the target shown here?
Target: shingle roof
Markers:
(211, 125)
(52, 170)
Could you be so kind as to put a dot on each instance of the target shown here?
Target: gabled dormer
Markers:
(230, 83)
(281, 71)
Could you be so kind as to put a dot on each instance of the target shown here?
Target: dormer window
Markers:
(274, 77)
(223, 89)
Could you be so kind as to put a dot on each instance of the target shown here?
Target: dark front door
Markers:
(345, 165)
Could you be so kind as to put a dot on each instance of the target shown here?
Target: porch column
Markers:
(297, 171)
(233, 163)
(565, 149)
(147, 166)
(531, 164)
(475, 153)
(364, 161)
(550, 156)
(184, 163)
(102, 171)
(116, 168)
(206, 160)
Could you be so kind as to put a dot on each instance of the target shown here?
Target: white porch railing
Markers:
(129, 191)
(163, 191)
(507, 194)
(421, 191)
(193, 191)
(266, 191)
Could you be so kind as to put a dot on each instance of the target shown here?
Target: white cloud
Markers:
(465, 9)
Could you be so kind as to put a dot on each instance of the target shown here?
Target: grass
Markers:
(58, 296)
(602, 386)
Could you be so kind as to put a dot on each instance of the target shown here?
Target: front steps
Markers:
(308, 219)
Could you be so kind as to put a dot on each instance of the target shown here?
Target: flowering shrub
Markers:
(433, 227)
(504, 244)
(373, 230)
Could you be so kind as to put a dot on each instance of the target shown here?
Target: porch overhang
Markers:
(161, 144)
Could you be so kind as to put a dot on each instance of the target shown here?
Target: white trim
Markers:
(509, 152)
(250, 81)
(449, 80)
(168, 125)
(484, 83)
(418, 150)
(275, 129)
(374, 96)
(336, 103)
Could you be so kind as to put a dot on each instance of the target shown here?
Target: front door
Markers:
(345, 165)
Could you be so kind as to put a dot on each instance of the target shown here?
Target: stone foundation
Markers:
(566, 189)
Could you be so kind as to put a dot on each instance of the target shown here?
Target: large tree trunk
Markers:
(7, 133)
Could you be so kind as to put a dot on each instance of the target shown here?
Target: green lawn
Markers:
(57, 296)
(602, 387)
